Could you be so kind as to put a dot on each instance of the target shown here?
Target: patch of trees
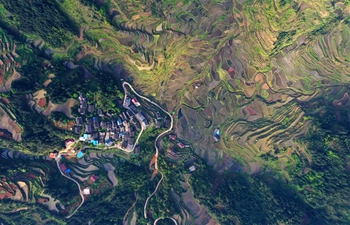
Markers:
(44, 18)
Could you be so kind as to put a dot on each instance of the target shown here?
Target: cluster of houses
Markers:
(106, 128)
(178, 143)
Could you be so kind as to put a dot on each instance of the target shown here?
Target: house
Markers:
(89, 120)
(136, 102)
(140, 116)
(166, 123)
(80, 154)
(86, 191)
(130, 114)
(77, 129)
(91, 108)
(127, 101)
(109, 142)
(102, 134)
(103, 125)
(124, 115)
(145, 123)
(158, 116)
(95, 123)
(216, 135)
(109, 125)
(93, 178)
(133, 108)
(53, 155)
(137, 150)
(88, 128)
(115, 135)
(94, 142)
(99, 112)
(158, 123)
(172, 137)
(82, 97)
(124, 144)
(180, 144)
(192, 168)
(81, 111)
(102, 140)
(69, 142)
(119, 122)
(132, 134)
(63, 167)
(83, 104)
(79, 121)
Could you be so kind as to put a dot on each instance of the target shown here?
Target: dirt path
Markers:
(127, 213)
(80, 192)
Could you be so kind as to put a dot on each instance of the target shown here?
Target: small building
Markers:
(133, 108)
(158, 123)
(63, 167)
(69, 142)
(77, 129)
(124, 144)
(88, 128)
(80, 154)
(82, 97)
(86, 191)
(78, 121)
(89, 120)
(109, 142)
(93, 178)
(95, 123)
(119, 121)
(68, 170)
(145, 123)
(166, 123)
(158, 116)
(137, 149)
(172, 137)
(192, 168)
(181, 145)
(91, 108)
(83, 104)
(140, 116)
(99, 112)
(136, 102)
(53, 155)
(129, 113)
(216, 135)
(127, 101)
(103, 125)
(94, 142)
(81, 111)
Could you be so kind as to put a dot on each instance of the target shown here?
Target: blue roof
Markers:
(85, 136)
(80, 154)
(217, 132)
(94, 118)
(67, 170)
(94, 142)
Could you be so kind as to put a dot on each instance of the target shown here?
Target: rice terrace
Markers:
(174, 112)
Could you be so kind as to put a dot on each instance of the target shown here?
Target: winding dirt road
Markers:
(80, 192)
(155, 142)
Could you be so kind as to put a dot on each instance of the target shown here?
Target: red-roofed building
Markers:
(93, 178)
(136, 103)
(63, 167)
(53, 155)
(172, 137)
(181, 145)
(69, 142)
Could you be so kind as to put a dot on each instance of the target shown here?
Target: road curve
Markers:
(155, 142)
(155, 222)
(80, 192)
